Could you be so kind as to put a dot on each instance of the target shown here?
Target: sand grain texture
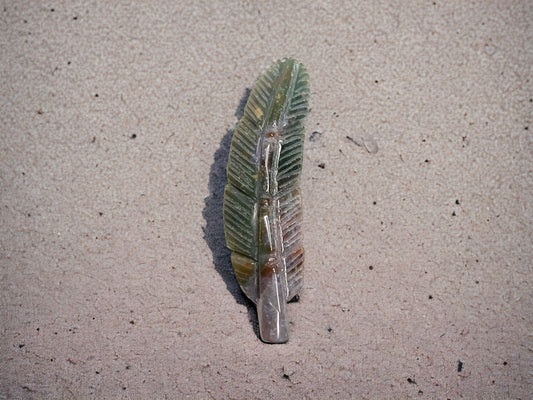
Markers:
(115, 125)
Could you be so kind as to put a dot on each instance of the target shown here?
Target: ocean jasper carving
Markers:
(262, 203)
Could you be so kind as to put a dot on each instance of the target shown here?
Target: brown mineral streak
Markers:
(269, 268)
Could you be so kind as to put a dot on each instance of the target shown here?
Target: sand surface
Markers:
(115, 124)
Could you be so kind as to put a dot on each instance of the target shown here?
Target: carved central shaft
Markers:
(273, 287)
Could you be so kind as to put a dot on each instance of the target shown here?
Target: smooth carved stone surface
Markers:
(262, 202)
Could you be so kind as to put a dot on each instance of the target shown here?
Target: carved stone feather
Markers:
(262, 203)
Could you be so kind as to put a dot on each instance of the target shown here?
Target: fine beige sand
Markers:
(116, 119)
